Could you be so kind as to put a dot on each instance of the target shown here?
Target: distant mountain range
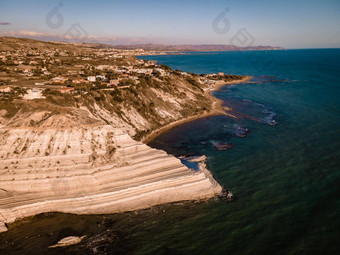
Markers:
(192, 47)
(157, 47)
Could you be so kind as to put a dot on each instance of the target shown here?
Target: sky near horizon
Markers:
(285, 23)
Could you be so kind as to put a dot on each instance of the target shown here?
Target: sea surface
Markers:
(285, 174)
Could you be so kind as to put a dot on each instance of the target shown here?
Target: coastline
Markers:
(217, 109)
(135, 177)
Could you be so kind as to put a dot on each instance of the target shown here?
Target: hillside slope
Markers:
(79, 152)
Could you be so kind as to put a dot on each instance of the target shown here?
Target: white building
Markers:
(34, 93)
(59, 79)
(102, 77)
(5, 89)
(102, 67)
(91, 78)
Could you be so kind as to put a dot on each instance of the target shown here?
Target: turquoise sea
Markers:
(285, 174)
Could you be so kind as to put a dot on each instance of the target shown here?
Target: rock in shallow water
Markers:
(222, 146)
(226, 195)
(67, 241)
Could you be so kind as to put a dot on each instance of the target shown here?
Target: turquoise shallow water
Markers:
(286, 177)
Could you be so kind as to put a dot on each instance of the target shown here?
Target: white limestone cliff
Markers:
(89, 170)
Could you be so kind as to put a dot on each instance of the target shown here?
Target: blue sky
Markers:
(286, 23)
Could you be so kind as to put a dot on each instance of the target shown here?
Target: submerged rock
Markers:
(67, 241)
(222, 146)
(242, 132)
(226, 195)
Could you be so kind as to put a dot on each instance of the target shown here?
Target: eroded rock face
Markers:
(88, 170)
(3, 227)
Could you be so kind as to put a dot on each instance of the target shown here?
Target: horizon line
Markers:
(165, 44)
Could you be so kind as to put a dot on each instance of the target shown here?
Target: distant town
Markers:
(69, 68)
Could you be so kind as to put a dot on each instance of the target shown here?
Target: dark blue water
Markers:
(285, 173)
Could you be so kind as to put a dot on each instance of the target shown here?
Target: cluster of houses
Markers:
(53, 66)
(32, 93)
(41, 62)
(126, 72)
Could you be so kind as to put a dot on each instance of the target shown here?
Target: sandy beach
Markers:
(217, 109)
